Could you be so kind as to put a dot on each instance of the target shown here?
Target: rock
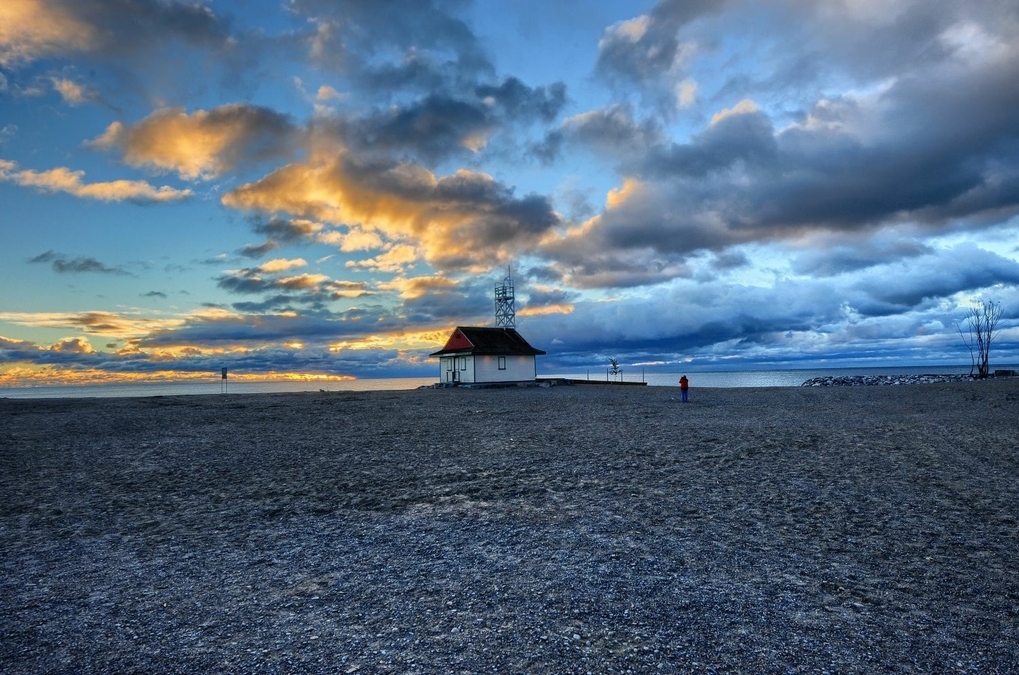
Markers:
(878, 380)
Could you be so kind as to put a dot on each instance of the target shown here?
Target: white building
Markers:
(486, 356)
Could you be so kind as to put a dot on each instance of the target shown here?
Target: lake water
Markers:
(738, 378)
(764, 378)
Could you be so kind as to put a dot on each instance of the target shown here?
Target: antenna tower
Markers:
(505, 313)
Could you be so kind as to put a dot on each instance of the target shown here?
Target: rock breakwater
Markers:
(877, 380)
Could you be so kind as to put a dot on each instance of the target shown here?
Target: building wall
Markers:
(456, 369)
(472, 369)
(518, 369)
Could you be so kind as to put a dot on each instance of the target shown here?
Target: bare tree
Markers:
(981, 329)
(614, 368)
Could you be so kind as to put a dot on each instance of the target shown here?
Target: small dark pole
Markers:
(223, 389)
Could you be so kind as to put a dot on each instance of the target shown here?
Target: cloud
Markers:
(938, 274)
(30, 29)
(203, 144)
(285, 291)
(405, 44)
(444, 125)
(520, 102)
(449, 219)
(396, 259)
(832, 255)
(64, 265)
(111, 324)
(854, 164)
(282, 231)
(612, 132)
(65, 180)
(73, 93)
(281, 265)
(34, 29)
(73, 346)
(440, 299)
(646, 53)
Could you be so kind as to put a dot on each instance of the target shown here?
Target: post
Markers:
(223, 388)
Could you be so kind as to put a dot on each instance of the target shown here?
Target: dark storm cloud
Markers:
(520, 102)
(457, 304)
(546, 297)
(645, 55)
(934, 147)
(126, 26)
(402, 43)
(443, 125)
(284, 230)
(908, 37)
(837, 257)
(267, 329)
(849, 316)
(746, 138)
(278, 232)
(640, 52)
(286, 291)
(740, 181)
(433, 128)
(258, 250)
(730, 260)
(614, 132)
(964, 268)
(80, 264)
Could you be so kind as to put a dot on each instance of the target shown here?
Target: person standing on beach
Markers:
(684, 387)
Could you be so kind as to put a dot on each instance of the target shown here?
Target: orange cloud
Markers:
(546, 309)
(744, 107)
(302, 281)
(77, 345)
(201, 145)
(63, 179)
(107, 324)
(281, 265)
(417, 287)
(30, 29)
(72, 92)
(393, 260)
(448, 220)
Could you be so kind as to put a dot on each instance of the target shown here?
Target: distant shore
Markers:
(562, 529)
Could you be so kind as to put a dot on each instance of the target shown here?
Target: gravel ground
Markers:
(566, 529)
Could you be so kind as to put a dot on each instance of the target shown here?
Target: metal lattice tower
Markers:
(505, 312)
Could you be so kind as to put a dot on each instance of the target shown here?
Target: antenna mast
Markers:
(505, 312)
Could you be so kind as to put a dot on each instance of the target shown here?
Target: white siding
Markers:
(518, 369)
(457, 369)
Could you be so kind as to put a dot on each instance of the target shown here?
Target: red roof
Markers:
(500, 341)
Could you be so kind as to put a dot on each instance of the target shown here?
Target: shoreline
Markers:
(563, 529)
(53, 392)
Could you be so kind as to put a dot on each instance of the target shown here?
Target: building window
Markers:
(502, 363)
(449, 364)
(463, 363)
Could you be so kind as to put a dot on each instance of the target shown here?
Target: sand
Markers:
(567, 529)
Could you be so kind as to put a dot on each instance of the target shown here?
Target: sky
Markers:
(326, 188)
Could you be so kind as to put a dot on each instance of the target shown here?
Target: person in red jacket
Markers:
(684, 387)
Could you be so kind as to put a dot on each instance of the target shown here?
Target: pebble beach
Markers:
(569, 529)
